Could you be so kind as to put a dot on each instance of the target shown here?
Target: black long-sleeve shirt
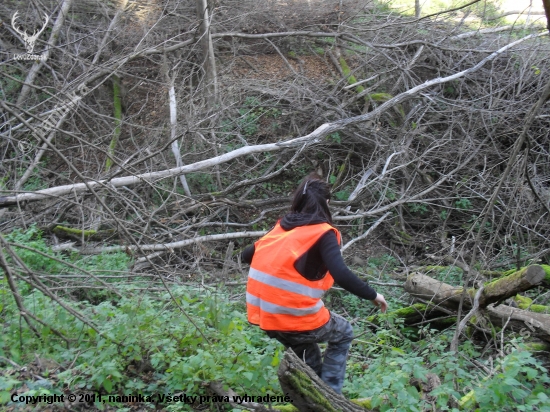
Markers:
(322, 256)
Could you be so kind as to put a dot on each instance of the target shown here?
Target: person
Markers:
(291, 267)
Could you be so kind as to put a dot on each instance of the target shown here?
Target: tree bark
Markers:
(209, 61)
(427, 288)
(546, 4)
(308, 392)
(117, 115)
(525, 322)
(504, 288)
(447, 296)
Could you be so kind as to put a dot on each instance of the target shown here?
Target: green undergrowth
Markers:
(139, 341)
(385, 365)
(148, 344)
(159, 351)
(33, 250)
(97, 274)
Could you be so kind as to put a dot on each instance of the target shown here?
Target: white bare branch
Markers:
(311, 138)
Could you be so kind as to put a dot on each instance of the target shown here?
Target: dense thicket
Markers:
(172, 137)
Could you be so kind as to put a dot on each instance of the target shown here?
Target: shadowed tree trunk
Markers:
(308, 391)
(209, 61)
(427, 288)
(447, 296)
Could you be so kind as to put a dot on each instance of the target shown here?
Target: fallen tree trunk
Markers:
(446, 296)
(308, 392)
(433, 290)
(504, 288)
(519, 320)
(81, 234)
(545, 282)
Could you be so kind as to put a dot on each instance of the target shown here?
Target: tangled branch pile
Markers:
(151, 131)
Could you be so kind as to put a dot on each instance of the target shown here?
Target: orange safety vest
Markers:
(277, 296)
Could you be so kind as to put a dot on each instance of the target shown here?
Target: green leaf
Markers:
(4, 397)
(108, 385)
(530, 372)
(511, 382)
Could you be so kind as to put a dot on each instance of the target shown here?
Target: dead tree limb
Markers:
(173, 245)
(511, 285)
(311, 138)
(307, 390)
(425, 287)
(368, 232)
(173, 129)
(449, 297)
(523, 321)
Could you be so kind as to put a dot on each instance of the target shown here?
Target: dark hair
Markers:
(311, 198)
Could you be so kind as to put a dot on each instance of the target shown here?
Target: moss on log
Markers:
(546, 281)
(506, 287)
(538, 346)
(514, 318)
(364, 403)
(427, 288)
(285, 408)
(417, 313)
(79, 234)
(412, 314)
(526, 303)
(308, 392)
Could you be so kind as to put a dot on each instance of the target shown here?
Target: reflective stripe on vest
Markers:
(282, 310)
(285, 284)
(278, 297)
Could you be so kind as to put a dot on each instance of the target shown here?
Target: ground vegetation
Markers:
(152, 140)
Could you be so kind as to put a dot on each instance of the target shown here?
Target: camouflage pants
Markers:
(338, 333)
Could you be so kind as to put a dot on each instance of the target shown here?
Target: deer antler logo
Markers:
(30, 41)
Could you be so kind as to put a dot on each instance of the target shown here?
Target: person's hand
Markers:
(380, 302)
